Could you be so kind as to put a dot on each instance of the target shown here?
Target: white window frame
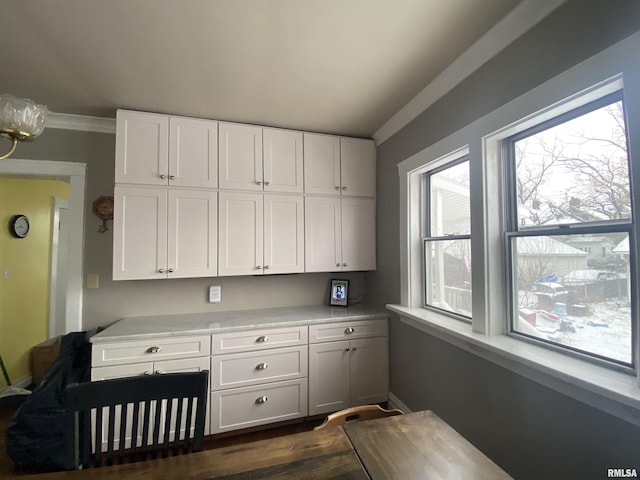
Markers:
(612, 391)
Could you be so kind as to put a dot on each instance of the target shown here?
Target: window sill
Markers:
(608, 390)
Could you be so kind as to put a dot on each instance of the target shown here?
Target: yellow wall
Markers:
(24, 295)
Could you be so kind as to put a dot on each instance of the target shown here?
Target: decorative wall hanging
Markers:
(103, 209)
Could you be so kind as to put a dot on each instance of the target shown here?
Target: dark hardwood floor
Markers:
(9, 405)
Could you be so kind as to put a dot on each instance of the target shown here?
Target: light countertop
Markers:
(139, 328)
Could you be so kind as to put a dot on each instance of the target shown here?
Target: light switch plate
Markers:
(215, 293)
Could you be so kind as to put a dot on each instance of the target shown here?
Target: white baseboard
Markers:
(395, 402)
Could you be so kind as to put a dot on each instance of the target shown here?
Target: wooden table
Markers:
(414, 446)
(418, 446)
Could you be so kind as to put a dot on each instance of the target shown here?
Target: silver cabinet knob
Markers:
(349, 330)
(147, 373)
(267, 267)
(258, 182)
(170, 270)
(261, 400)
(163, 176)
(161, 270)
(344, 188)
(345, 264)
(337, 187)
(346, 349)
(262, 366)
(153, 349)
(266, 184)
(160, 372)
(354, 348)
(337, 264)
(172, 177)
(258, 267)
(262, 339)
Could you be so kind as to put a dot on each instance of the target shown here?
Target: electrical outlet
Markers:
(215, 293)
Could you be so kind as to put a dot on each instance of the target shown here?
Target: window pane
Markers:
(574, 290)
(574, 172)
(449, 201)
(448, 275)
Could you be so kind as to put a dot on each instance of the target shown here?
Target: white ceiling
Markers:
(335, 66)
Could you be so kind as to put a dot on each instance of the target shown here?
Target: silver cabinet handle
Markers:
(354, 348)
(153, 349)
(262, 366)
(261, 400)
(258, 182)
(345, 264)
(266, 184)
(161, 270)
(170, 270)
(262, 339)
(267, 267)
(258, 267)
(349, 330)
(337, 187)
(337, 264)
(346, 349)
(147, 373)
(163, 176)
(344, 188)
(159, 372)
(172, 177)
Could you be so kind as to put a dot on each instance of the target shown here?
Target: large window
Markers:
(447, 239)
(569, 221)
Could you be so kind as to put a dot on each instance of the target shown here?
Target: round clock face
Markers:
(19, 226)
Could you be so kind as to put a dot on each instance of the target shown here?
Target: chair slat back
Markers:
(128, 419)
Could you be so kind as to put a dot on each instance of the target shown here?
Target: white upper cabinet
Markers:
(142, 148)
(358, 234)
(155, 149)
(357, 167)
(193, 152)
(163, 232)
(283, 165)
(261, 234)
(321, 164)
(339, 165)
(240, 157)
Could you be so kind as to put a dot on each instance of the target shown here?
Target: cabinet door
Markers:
(358, 167)
(193, 152)
(358, 234)
(321, 164)
(323, 237)
(240, 156)
(329, 377)
(282, 152)
(139, 233)
(283, 234)
(369, 370)
(240, 234)
(142, 148)
(193, 234)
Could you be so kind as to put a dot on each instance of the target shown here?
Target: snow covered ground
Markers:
(605, 330)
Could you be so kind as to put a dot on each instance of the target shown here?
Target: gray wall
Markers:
(531, 431)
(114, 300)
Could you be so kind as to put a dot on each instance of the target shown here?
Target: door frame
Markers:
(75, 174)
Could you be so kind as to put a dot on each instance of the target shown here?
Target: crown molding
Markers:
(518, 21)
(65, 121)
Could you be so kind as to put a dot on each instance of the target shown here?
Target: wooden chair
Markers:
(355, 414)
(126, 419)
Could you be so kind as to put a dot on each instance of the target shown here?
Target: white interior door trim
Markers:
(75, 174)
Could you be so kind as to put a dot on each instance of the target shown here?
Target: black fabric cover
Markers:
(36, 438)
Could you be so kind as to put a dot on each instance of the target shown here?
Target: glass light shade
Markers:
(21, 118)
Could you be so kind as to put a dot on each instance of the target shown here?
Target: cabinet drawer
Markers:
(150, 350)
(329, 332)
(259, 339)
(243, 369)
(249, 406)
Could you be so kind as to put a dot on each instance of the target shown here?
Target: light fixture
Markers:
(21, 120)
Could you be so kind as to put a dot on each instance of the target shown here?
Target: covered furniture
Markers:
(130, 419)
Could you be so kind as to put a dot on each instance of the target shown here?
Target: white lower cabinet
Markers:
(264, 382)
(351, 369)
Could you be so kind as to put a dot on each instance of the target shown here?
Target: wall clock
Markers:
(19, 226)
(103, 209)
